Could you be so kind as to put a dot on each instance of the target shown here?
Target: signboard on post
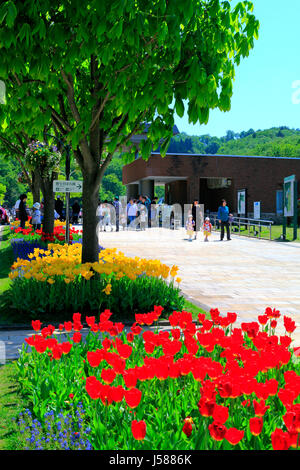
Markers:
(256, 210)
(61, 186)
(241, 202)
(290, 194)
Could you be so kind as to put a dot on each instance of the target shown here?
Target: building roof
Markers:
(220, 155)
(143, 135)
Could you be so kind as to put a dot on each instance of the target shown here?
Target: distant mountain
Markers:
(277, 142)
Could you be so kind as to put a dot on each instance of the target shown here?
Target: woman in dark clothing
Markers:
(22, 211)
(75, 212)
(196, 217)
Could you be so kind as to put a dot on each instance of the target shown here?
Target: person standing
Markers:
(99, 215)
(223, 217)
(117, 206)
(17, 205)
(132, 212)
(190, 224)
(75, 212)
(207, 228)
(36, 216)
(22, 210)
(59, 205)
(196, 217)
(106, 216)
(143, 219)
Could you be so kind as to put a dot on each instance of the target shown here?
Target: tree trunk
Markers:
(49, 202)
(90, 196)
(35, 186)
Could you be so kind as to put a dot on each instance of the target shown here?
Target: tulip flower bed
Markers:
(58, 236)
(55, 282)
(207, 386)
(23, 248)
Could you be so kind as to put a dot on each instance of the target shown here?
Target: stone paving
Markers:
(11, 341)
(242, 275)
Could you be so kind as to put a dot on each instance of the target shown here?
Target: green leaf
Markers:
(179, 106)
(164, 147)
(11, 14)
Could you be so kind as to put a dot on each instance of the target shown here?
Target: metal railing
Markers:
(237, 222)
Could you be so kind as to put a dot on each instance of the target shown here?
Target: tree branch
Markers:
(70, 95)
(98, 113)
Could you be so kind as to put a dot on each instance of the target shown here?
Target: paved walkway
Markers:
(243, 275)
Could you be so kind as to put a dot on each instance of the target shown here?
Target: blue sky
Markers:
(262, 90)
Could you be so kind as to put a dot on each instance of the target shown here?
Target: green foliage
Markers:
(9, 171)
(127, 59)
(36, 299)
(2, 192)
(274, 142)
(11, 404)
(41, 156)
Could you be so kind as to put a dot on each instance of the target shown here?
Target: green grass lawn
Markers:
(6, 260)
(190, 307)
(276, 232)
(11, 404)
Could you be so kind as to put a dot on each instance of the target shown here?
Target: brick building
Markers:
(209, 178)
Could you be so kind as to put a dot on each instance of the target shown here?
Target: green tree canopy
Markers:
(99, 70)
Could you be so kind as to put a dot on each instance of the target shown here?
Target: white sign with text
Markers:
(61, 186)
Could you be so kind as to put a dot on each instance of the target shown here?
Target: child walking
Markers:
(207, 228)
(123, 220)
(36, 216)
(190, 227)
(143, 220)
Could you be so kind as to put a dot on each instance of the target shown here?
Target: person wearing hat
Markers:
(207, 228)
(190, 224)
(36, 216)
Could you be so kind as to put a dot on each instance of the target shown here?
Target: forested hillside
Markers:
(277, 141)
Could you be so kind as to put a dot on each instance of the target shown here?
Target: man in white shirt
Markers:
(132, 211)
(17, 204)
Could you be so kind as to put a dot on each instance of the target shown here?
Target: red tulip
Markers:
(220, 414)
(260, 408)
(108, 375)
(217, 431)
(234, 436)
(280, 440)
(256, 425)
(133, 397)
(36, 325)
(76, 337)
(188, 426)
(138, 429)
